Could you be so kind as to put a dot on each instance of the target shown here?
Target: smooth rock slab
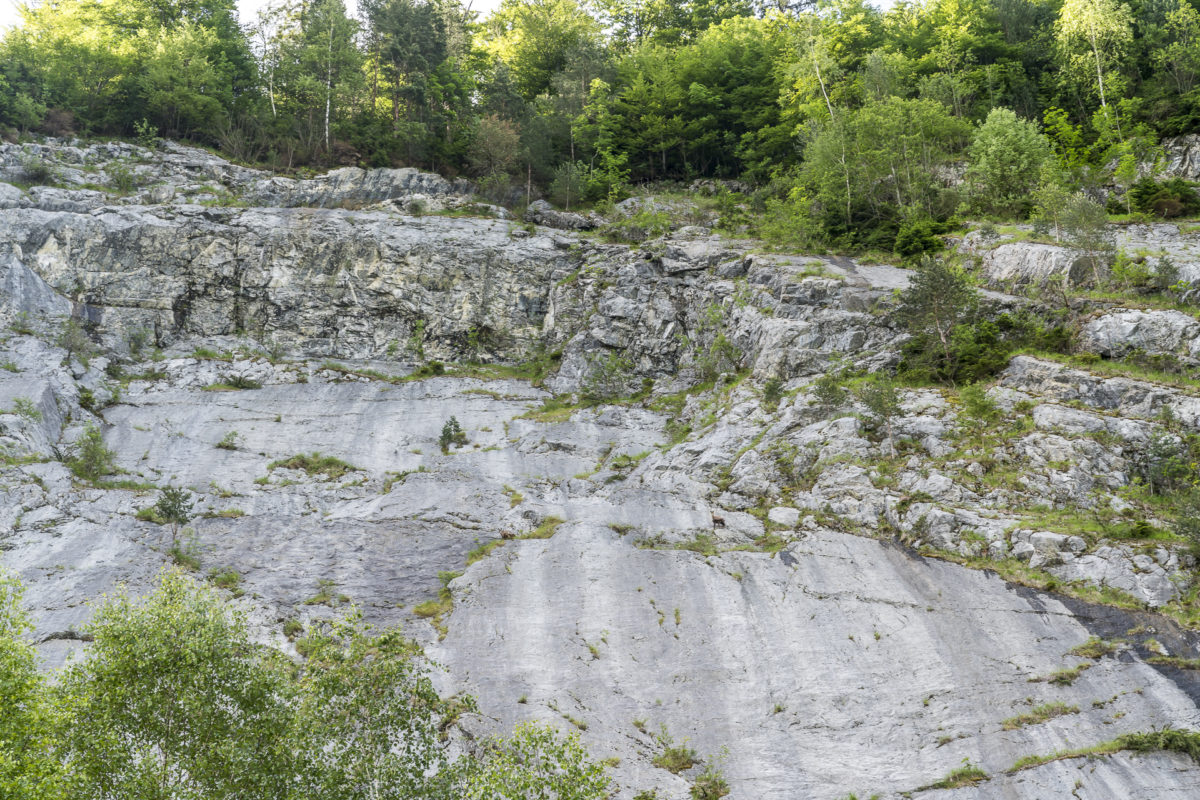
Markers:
(835, 667)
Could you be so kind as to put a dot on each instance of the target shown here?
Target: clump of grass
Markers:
(315, 464)
(185, 557)
(232, 383)
(1062, 677)
(292, 629)
(1039, 714)
(226, 578)
(1094, 647)
(205, 354)
(966, 775)
(547, 529)
(482, 551)
(436, 610)
(674, 758)
(1169, 739)
(1175, 661)
(703, 544)
(554, 409)
(325, 595)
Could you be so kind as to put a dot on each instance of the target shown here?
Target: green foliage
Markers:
(452, 435)
(966, 775)
(315, 464)
(24, 407)
(1085, 228)
(92, 459)
(38, 172)
(1168, 463)
(1007, 157)
(172, 700)
(1170, 198)
(882, 401)
(772, 392)
(72, 338)
(829, 392)
(537, 762)
(174, 507)
(674, 758)
(709, 785)
(1039, 714)
(977, 408)
(609, 376)
(918, 237)
(30, 768)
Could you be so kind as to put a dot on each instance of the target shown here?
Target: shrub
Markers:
(121, 178)
(37, 171)
(92, 459)
(918, 237)
(73, 339)
(452, 434)
(673, 758)
(709, 785)
(174, 506)
(24, 407)
(772, 392)
(608, 377)
(1174, 197)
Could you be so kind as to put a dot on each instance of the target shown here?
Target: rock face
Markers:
(1157, 246)
(1154, 332)
(1183, 156)
(757, 575)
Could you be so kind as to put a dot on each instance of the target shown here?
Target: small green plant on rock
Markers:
(74, 339)
(1094, 647)
(92, 459)
(673, 758)
(966, 775)
(772, 392)
(1039, 714)
(608, 378)
(24, 407)
(315, 464)
(174, 507)
(229, 441)
(710, 785)
(452, 434)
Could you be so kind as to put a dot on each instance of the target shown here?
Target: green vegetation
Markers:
(545, 529)
(174, 699)
(1094, 647)
(315, 464)
(1063, 677)
(482, 551)
(92, 460)
(1039, 714)
(966, 775)
(452, 435)
(232, 383)
(673, 758)
(1168, 739)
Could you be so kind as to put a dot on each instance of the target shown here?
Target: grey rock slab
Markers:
(821, 639)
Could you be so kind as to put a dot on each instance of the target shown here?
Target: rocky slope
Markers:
(750, 574)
